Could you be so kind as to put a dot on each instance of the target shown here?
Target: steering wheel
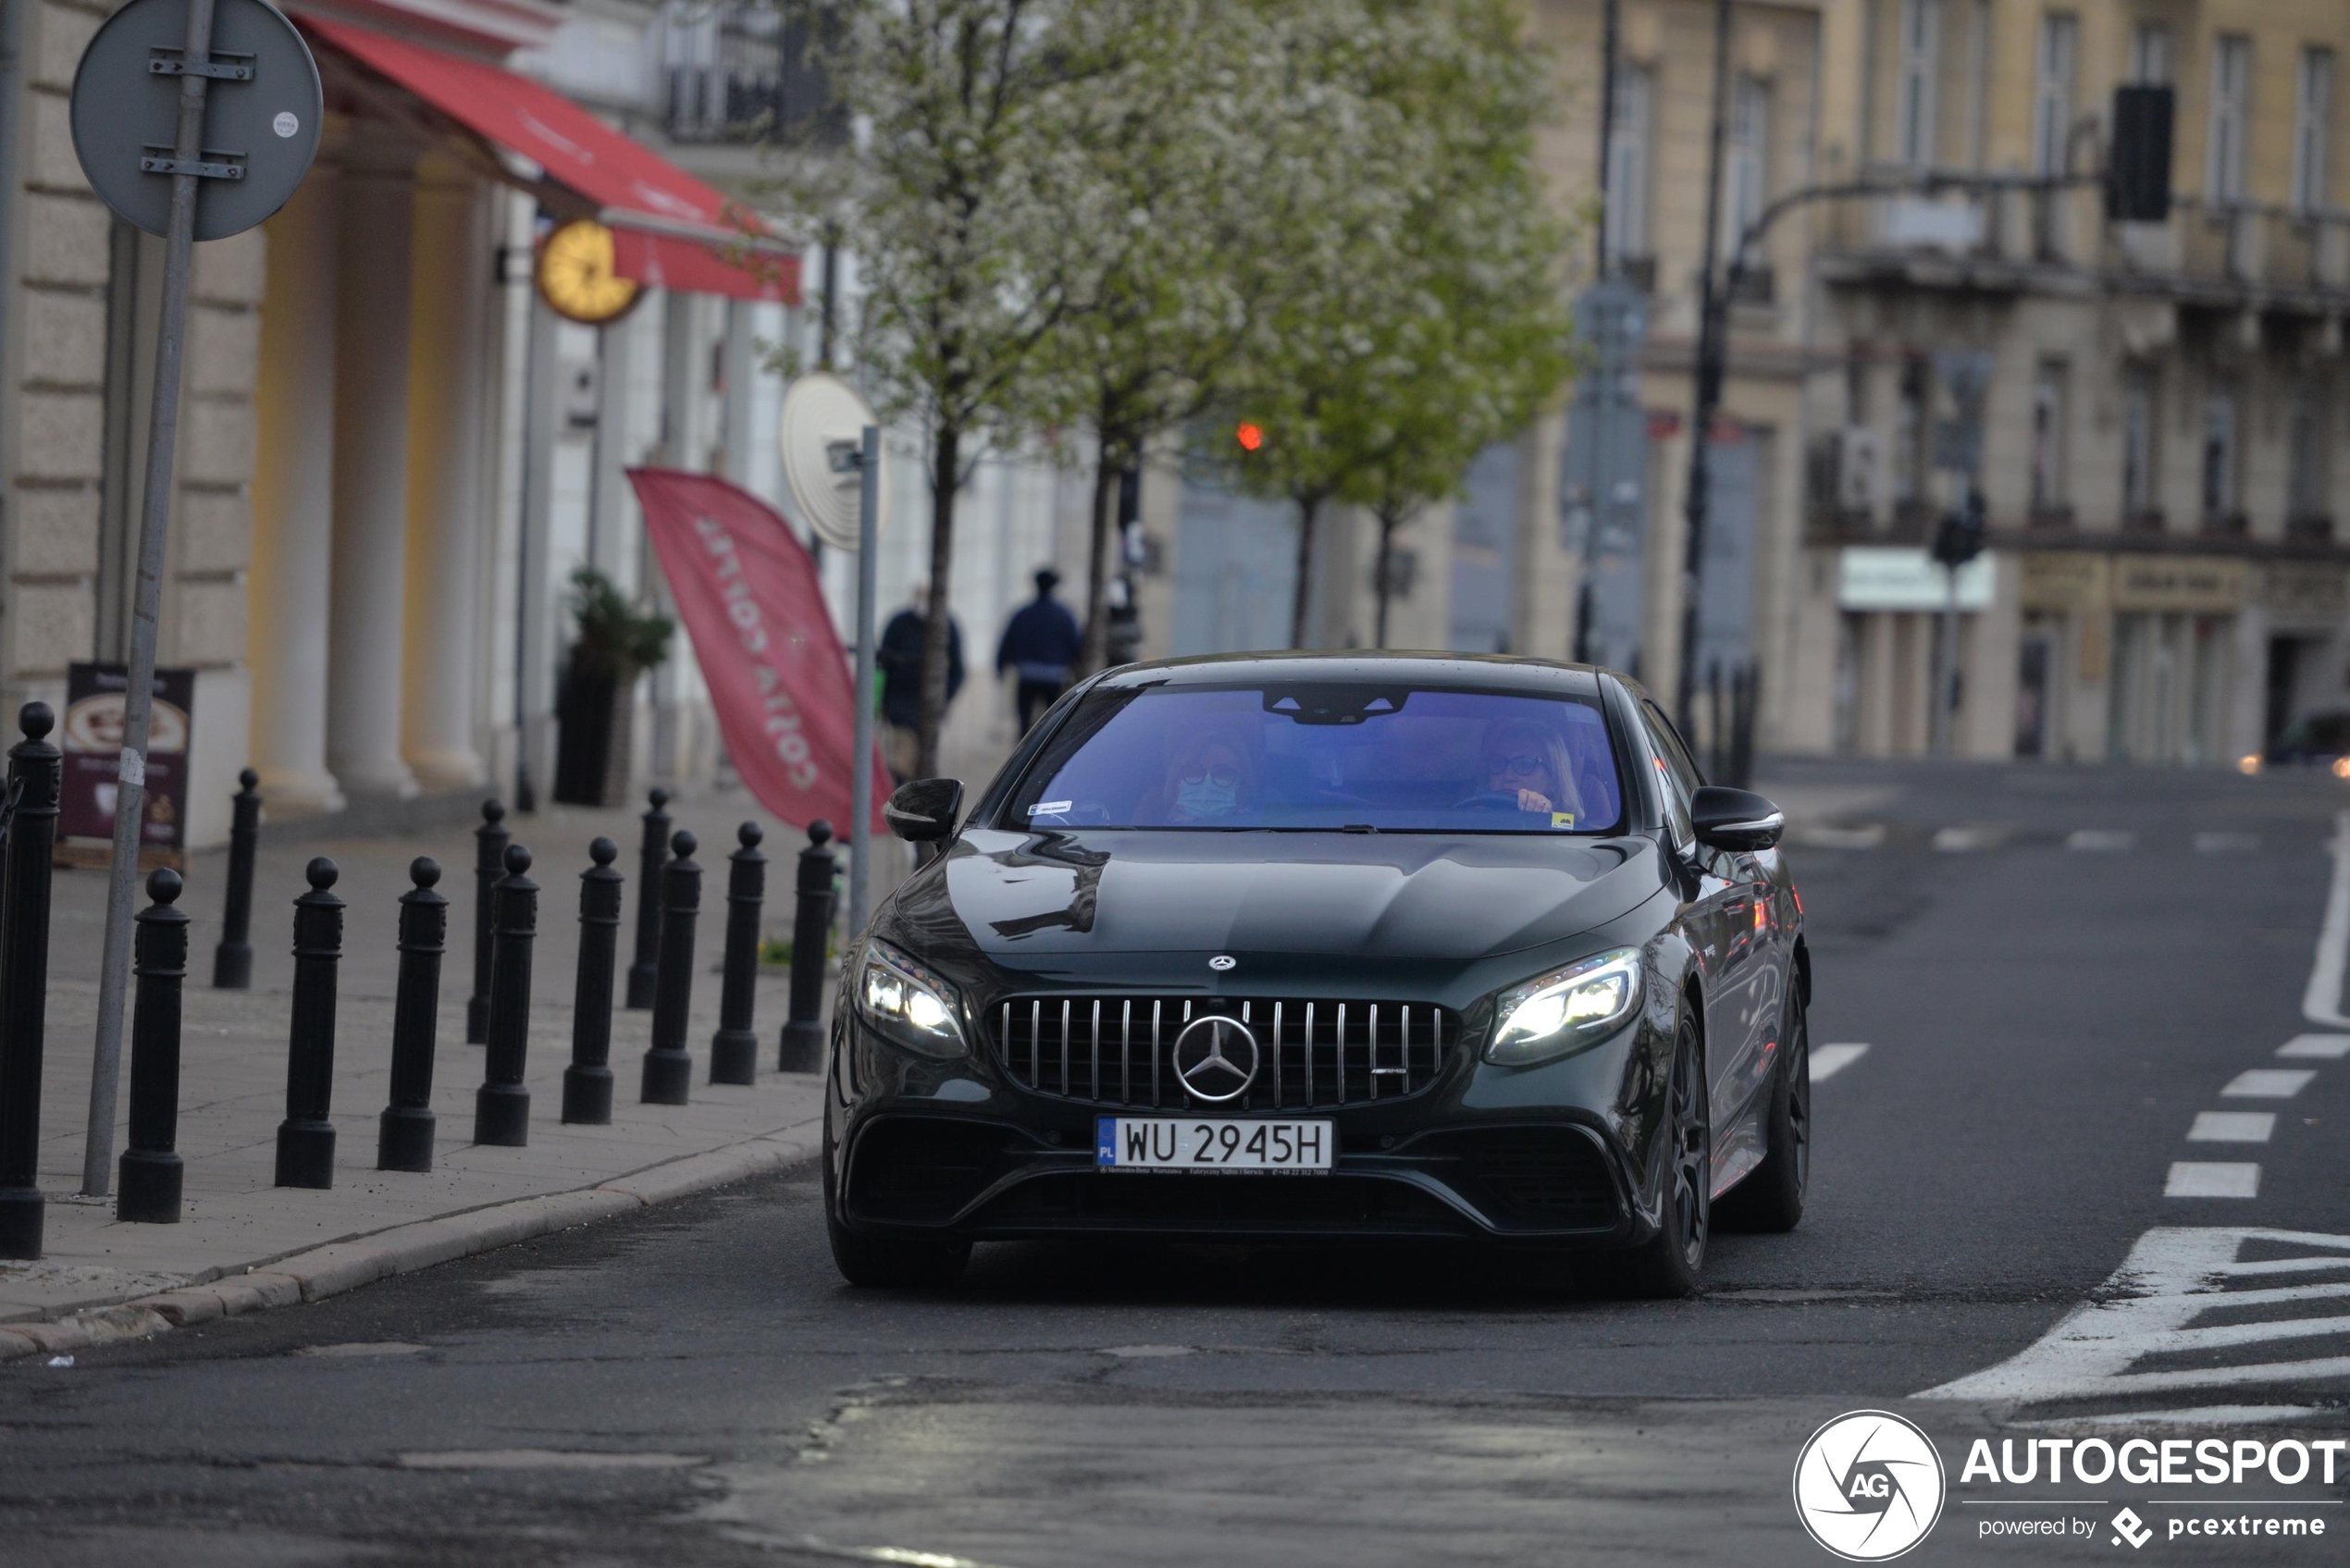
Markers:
(1490, 800)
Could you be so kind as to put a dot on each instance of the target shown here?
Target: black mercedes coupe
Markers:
(1278, 947)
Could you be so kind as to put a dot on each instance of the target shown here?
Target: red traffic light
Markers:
(1250, 436)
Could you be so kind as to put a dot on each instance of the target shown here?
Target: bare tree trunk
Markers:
(1386, 564)
(946, 456)
(1096, 647)
(1309, 512)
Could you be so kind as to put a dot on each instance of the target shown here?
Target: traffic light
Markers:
(1961, 536)
(2137, 174)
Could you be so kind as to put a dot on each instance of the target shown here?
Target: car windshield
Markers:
(1387, 757)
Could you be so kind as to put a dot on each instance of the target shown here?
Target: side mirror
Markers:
(1732, 818)
(923, 810)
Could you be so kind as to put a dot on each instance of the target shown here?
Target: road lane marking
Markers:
(2267, 1084)
(2101, 841)
(2233, 1127)
(2322, 1003)
(2317, 1047)
(2225, 842)
(2212, 1179)
(1829, 1060)
(1961, 841)
(1823, 835)
(2174, 1274)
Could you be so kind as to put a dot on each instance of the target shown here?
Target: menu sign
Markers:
(95, 696)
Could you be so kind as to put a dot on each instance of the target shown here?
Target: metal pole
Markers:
(802, 1049)
(34, 768)
(1609, 27)
(163, 430)
(151, 1168)
(1711, 351)
(1946, 667)
(733, 1050)
(860, 831)
(232, 959)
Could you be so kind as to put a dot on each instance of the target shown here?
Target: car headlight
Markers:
(909, 1003)
(1553, 1014)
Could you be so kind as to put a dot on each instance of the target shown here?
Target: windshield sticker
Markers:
(1051, 808)
(1562, 818)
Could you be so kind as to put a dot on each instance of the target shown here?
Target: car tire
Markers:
(1672, 1263)
(1771, 1198)
(877, 1262)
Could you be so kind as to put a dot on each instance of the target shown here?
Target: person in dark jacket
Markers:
(899, 658)
(1041, 646)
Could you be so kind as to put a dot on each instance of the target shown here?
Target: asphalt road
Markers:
(2054, 972)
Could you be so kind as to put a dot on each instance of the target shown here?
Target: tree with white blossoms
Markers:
(971, 112)
(1436, 321)
(1183, 218)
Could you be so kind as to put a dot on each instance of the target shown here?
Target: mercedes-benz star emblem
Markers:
(1216, 1058)
(1222, 962)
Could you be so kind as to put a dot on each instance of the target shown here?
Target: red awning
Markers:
(669, 228)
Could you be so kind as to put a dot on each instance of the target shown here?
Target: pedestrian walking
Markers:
(900, 660)
(1041, 646)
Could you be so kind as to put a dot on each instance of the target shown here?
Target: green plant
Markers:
(774, 952)
(616, 641)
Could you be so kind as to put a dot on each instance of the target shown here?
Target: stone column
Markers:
(447, 417)
(371, 471)
(293, 502)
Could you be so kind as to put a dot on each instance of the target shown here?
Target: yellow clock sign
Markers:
(575, 275)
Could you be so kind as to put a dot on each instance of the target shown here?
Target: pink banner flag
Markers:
(748, 594)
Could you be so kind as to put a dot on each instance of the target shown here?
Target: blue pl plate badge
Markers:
(1105, 1141)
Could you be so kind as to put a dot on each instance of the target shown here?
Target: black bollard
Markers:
(587, 1081)
(490, 864)
(501, 1106)
(232, 959)
(404, 1131)
(812, 927)
(35, 768)
(649, 861)
(733, 1050)
(669, 1071)
(147, 1187)
(306, 1139)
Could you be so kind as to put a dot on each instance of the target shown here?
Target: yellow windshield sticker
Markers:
(1562, 818)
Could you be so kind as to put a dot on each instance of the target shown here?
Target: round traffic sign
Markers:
(262, 113)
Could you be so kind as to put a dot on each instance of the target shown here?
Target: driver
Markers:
(1209, 780)
(1528, 759)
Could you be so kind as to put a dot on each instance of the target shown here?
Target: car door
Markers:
(1733, 952)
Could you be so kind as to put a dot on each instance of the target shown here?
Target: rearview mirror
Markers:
(923, 810)
(1734, 819)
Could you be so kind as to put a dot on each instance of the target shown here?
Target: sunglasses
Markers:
(1223, 775)
(1523, 762)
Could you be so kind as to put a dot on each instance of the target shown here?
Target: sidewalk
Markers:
(263, 1244)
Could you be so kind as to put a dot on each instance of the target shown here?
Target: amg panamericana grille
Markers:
(1313, 1055)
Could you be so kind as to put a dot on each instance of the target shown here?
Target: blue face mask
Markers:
(1206, 799)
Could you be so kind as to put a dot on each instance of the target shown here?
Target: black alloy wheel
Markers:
(1771, 1198)
(1673, 1261)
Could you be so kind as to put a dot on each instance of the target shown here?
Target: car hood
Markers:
(1019, 897)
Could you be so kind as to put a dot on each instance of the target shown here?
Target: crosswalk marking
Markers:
(2315, 1047)
(1829, 1060)
(2174, 1275)
(1961, 841)
(2268, 1084)
(2101, 841)
(2212, 1179)
(2233, 1127)
(2225, 842)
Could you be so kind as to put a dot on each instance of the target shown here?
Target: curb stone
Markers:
(331, 1270)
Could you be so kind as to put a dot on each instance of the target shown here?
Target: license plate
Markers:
(1214, 1144)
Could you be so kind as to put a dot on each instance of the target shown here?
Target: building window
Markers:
(1628, 175)
(1921, 47)
(2140, 486)
(1747, 172)
(2312, 128)
(2306, 455)
(1910, 435)
(2218, 454)
(2231, 89)
(2150, 54)
(2052, 100)
(2048, 436)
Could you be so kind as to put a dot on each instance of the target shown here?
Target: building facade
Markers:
(2150, 411)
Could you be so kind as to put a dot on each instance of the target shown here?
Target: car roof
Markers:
(1437, 669)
